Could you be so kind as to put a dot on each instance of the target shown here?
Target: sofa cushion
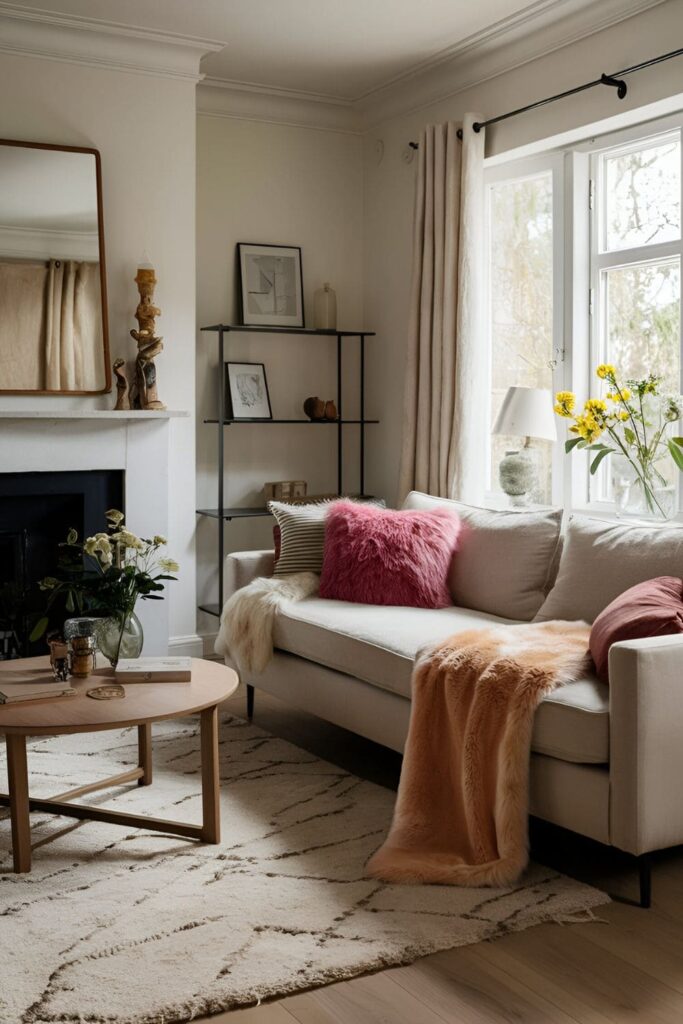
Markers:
(600, 560)
(505, 561)
(378, 644)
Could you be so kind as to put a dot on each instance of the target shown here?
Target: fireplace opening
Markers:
(37, 510)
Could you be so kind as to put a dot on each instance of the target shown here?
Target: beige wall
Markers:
(388, 195)
(144, 127)
(260, 182)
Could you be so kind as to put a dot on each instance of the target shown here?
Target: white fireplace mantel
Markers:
(137, 442)
(91, 414)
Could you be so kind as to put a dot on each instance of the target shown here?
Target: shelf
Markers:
(210, 609)
(260, 510)
(288, 330)
(233, 513)
(221, 514)
(315, 423)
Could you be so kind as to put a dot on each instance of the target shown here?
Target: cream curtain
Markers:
(73, 335)
(443, 450)
(22, 324)
(50, 326)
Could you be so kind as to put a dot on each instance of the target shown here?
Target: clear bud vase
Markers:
(325, 308)
(646, 494)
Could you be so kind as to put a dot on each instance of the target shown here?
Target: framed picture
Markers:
(246, 392)
(271, 285)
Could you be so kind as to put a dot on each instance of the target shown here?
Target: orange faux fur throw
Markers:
(462, 806)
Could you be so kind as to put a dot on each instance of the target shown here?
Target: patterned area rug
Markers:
(133, 927)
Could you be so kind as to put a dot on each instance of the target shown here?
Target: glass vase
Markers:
(645, 494)
(325, 308)
(120, 636)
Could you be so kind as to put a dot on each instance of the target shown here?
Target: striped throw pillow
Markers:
(302, 536)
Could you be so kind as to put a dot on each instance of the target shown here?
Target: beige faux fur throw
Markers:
(246, 631)
(462, 806)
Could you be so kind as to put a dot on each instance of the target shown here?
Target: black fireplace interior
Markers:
(37, 510)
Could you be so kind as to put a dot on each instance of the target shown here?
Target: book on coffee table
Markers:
(14, 693)
(154, 670)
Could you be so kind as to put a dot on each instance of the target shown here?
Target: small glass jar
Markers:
(59, 658)
(79, 634)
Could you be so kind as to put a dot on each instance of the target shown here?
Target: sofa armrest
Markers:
(241, 567)
(646, 743)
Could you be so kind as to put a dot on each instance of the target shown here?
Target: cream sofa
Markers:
(606, 761)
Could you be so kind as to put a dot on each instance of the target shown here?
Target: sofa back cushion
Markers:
(600, 560)
(505, 559)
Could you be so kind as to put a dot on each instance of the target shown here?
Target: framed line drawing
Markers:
(271, 285)
(246, 392)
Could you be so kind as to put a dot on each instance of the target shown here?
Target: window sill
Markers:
(610, 516)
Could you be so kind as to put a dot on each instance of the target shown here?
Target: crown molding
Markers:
(541, 28)
(217, 97)
(32, 32)
(536, 32)
(275, 90)
(48, 243)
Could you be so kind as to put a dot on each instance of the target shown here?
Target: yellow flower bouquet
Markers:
(623, 423)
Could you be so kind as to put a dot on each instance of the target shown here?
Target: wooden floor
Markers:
(627, 968)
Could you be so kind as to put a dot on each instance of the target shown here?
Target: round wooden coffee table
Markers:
(144, 703)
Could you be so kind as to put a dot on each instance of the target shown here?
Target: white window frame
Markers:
(599, 260)
(577, 263)
(502, 174)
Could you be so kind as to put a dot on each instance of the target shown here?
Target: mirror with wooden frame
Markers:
(53, 298)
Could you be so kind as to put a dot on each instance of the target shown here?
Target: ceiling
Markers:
(337, 49)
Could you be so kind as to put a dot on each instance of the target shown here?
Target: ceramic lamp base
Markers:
(517, 475)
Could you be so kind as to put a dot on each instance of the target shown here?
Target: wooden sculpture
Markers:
(149, 345)
(122, 387)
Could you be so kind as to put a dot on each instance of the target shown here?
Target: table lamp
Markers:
(527, 413)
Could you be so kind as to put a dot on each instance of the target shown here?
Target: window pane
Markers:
(642, 195)
(521, 288)
(642, 306)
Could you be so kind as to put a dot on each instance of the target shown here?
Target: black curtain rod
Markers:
(614, 80)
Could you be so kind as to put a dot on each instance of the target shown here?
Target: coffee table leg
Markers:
(17, 772)
(211, 811)
(145, 754)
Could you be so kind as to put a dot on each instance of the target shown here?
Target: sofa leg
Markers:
(645, 878)
(250, 702)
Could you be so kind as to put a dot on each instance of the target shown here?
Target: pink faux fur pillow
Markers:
(379, 556)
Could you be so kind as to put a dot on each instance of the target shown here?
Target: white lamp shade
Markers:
(527, 412)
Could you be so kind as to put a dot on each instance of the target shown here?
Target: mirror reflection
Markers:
(53, 334)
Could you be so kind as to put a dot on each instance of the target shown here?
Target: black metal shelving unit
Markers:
(222, 514)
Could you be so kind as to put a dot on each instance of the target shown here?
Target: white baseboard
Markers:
(207, 640)
(191, 646)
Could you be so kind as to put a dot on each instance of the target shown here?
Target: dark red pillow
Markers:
(653, 608)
